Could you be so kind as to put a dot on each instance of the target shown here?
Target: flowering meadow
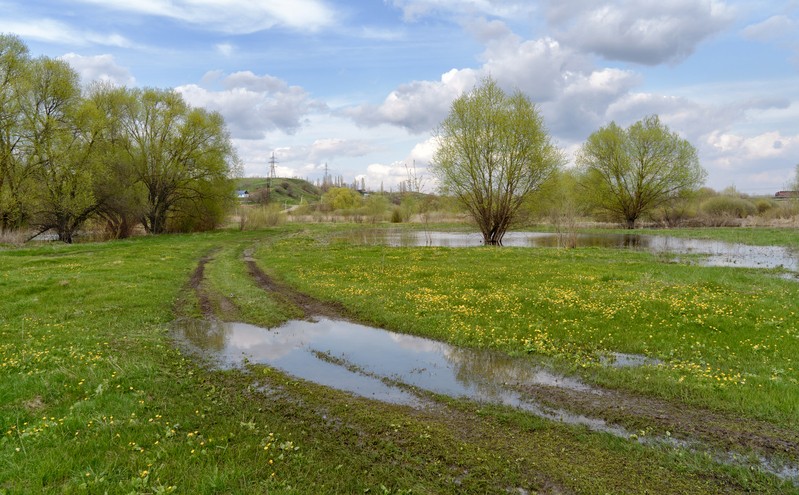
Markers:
(96, 397)
(726, 338)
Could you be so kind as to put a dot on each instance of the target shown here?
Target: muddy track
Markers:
(307, 304)
(635, 412)
(195, 284)
(206, 304)
(682, 422)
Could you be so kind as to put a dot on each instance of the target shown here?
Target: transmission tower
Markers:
(271, 175)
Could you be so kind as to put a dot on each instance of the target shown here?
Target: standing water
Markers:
(716, 253)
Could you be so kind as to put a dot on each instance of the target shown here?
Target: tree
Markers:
(493, 151)
(629, 172)
(341, 198)
(61, 136)
(14, 177)
(182, 156)
(120, 197)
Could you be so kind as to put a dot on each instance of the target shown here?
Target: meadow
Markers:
(95, 397)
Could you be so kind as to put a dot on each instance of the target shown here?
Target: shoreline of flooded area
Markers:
(715, 253)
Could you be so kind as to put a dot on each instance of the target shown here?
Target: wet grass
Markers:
(755, 236)
(94, 398)
(728, 338)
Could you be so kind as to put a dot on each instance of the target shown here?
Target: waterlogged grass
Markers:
(728, 338)
(756, 236)
(94, 398)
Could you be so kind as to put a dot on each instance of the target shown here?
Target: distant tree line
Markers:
(123, 157)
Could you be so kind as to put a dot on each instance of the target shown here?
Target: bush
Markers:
(396, 215)
(260, 217)
(728, 206)
(722, 208)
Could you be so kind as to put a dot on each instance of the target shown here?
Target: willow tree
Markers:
(182, 156)
(493, 152)
(14, 175)
(59, 149)
(629, 172)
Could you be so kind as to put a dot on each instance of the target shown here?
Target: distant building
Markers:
(243, 194)
(787, 194)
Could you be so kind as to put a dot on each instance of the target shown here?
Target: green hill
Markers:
(283, 190)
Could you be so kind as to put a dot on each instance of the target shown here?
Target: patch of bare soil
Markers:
(208, 307)
(308, 305)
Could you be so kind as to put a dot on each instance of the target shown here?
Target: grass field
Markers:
(94, 398)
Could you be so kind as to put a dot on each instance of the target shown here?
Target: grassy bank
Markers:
(94, 398)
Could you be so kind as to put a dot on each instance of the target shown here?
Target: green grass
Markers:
(728, 337)
(94, 398)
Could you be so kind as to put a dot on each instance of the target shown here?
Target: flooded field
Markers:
(715, 253)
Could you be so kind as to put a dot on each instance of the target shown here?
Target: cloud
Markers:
(585, 99)
(225, 49)
(648, 32)
(418, 106)
(508, 9)
(253, 105)
(232, 16)
(99, 68)
(52, 31)
(536, 67)
(775, 27)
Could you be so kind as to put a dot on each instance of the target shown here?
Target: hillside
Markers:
(284, 190)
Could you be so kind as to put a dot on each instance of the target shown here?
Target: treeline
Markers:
(117, 156)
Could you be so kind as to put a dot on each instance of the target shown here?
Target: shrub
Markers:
(260, 217)
(727, 207)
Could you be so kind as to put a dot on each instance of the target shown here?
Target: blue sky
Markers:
(359, 86)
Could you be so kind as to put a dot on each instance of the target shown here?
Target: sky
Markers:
(357, 87)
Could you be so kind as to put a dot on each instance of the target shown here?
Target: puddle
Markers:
(382, 365)
(716, 253)
(391, 367)
(622, 360)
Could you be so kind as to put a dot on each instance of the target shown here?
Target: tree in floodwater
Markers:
(493, 152)
(629, 172)
(182, 156)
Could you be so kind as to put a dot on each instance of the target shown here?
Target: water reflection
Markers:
(382, 365)
(387, 366)
(717, 253)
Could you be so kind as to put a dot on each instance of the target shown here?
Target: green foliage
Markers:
(493, 151)
(284, 191)
(126, 156)
(726, 207)
(376, 207)
(629, 172)
(178, 153)
(341, 198)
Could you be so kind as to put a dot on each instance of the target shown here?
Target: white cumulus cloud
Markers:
(253, 105)
(99, 68)
(649, 32)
